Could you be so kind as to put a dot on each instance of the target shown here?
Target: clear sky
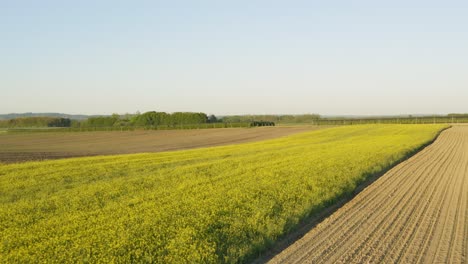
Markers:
(234, 57)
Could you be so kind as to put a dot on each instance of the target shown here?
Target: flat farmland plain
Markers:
(415, 213)
(223, 204)
(19, 147)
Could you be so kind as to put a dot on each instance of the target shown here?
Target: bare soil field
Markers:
(19, 147)
(415, 213)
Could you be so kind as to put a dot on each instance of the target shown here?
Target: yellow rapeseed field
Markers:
(220, 204)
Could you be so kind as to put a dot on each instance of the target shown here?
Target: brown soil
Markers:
(19, 147)
(416, 213)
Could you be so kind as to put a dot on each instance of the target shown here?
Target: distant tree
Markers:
(39, 121)
(59, 122)
(154, 118)
(102, 121)
(212, 119)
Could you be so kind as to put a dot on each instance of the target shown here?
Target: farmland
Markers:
(219, 204)
(415, 213)
(20, 147)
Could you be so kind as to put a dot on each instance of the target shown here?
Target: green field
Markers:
(220, 204)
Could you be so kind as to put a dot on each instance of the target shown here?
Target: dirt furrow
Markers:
(455, 249)
(397, 189)
(406, 218)
(417, 212)
(420, 228)
(390, 211)
(435, 237)
(354, 213)
(441, 188)
(446, 252)
(464, 243)
(350, 214)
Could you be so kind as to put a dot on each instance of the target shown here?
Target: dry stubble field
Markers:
(19, 147)
(415, 213)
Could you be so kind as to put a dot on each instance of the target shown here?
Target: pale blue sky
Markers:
(234, 57)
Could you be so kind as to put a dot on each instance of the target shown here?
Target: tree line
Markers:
(151, 118)
(36, 122)
(182, 119)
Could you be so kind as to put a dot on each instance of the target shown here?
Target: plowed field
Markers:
(20, 147)
(415, 213)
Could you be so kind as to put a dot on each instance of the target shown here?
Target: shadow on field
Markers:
(310, 222)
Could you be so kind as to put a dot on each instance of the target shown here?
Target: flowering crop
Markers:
(219, 204)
